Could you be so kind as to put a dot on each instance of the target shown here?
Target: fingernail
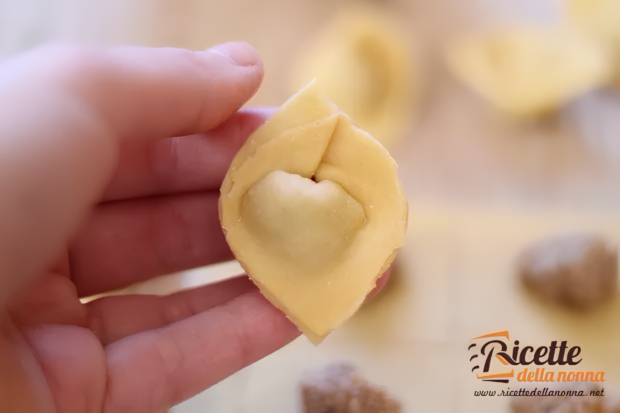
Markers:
(240, 53)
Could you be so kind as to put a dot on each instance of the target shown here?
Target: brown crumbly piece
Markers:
(340, 389)
(577, 270)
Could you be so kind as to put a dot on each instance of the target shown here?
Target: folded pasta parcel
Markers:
(313, 210)
(599, 17)
(530, 71)
(364, 64)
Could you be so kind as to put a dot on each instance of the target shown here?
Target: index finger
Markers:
(64, 111)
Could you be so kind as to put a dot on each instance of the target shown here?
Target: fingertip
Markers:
(239, 53)
(380, 283)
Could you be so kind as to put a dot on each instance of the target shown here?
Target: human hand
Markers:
(110, 166)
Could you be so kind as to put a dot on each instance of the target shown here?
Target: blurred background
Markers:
(492, 159)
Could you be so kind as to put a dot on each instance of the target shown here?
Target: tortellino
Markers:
(527, 71)
(600, 17)
(314, 211)
(363, 64)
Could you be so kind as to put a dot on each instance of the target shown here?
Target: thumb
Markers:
(64, 111)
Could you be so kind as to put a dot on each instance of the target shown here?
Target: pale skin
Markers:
(110, 166)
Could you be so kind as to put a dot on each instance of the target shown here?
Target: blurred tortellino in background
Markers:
(365, 65)
(530, 71)
(601, 19)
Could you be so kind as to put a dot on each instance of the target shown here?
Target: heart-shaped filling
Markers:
(310, 223)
